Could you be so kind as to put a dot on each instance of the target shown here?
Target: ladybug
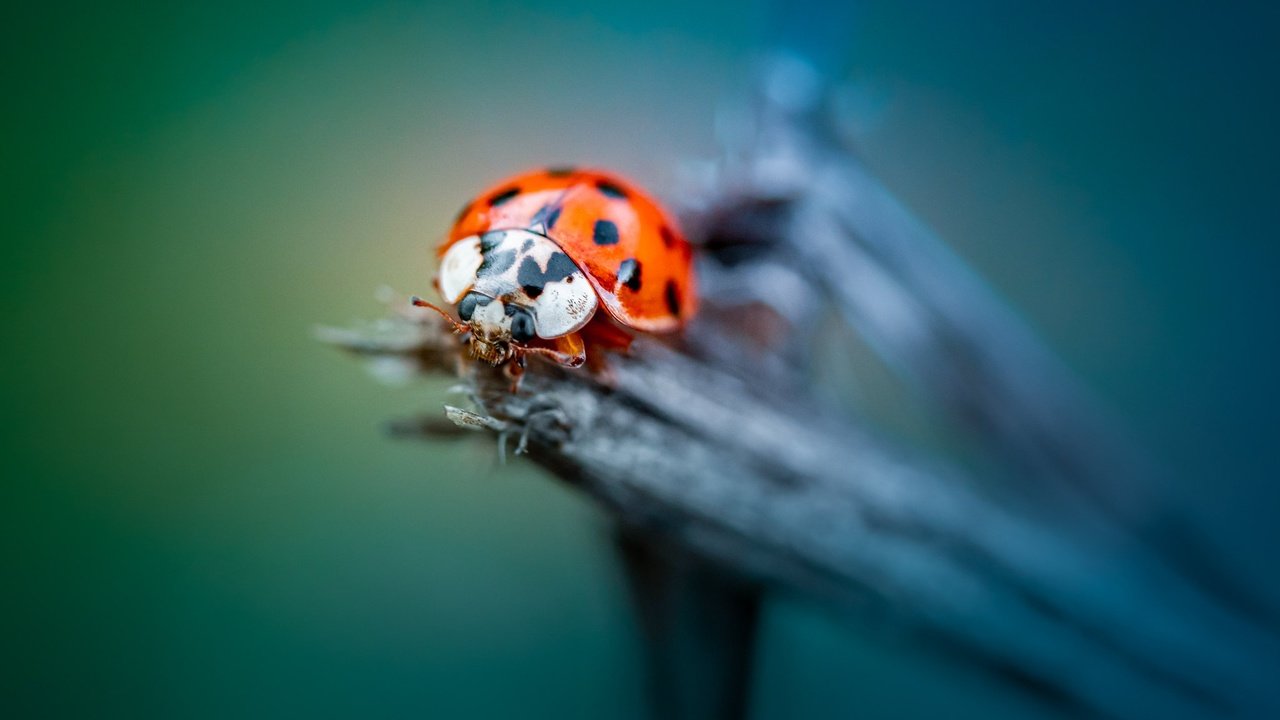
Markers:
(555, 261)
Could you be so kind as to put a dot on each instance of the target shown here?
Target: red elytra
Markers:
(631, 252)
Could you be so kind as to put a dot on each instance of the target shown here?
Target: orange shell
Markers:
(630, 249)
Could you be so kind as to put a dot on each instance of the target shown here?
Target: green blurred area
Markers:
(205, 518)
(202, 516)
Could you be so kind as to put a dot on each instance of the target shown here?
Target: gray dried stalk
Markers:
(724, 447)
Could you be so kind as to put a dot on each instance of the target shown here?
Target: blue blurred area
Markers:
(1113, 172)
(202, 516)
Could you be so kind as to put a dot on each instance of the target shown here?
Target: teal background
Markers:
(201, 514)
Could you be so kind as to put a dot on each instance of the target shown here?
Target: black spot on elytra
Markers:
(545, 217)
(503, 196)
(673, 298)
(605, 233)
(496, 263)
(561, 170)
(629, 273)
(611, 189)
(533, 279)
(668, 237)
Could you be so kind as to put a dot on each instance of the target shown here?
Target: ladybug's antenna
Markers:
(458, 328)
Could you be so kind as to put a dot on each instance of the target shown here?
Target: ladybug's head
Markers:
(510, 287)
(495, 327)
(495, 331)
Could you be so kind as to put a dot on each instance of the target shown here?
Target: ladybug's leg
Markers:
(601, 335)
(514, 370)
(569, 351)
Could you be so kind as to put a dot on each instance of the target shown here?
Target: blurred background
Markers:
(202, 515)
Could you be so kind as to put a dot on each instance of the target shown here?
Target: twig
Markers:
(721, 446)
